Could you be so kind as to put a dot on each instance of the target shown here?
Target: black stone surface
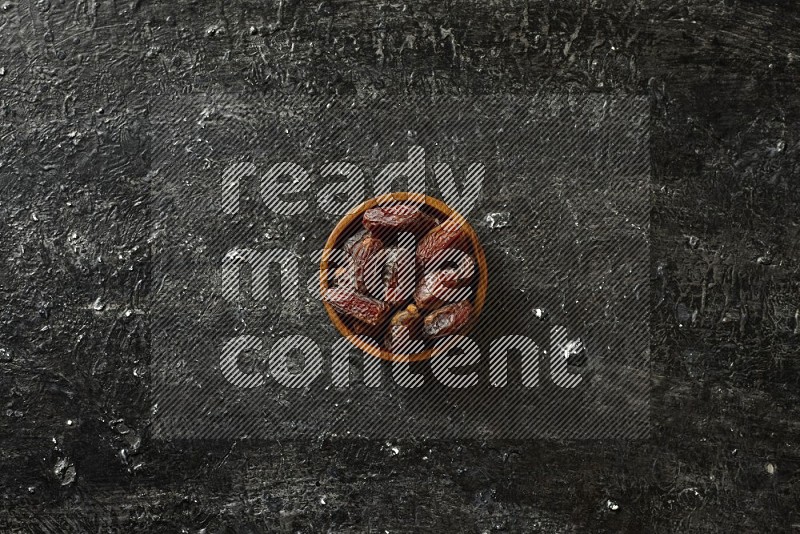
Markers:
(75, 81)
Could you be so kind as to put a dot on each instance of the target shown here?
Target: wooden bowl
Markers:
(351, 222)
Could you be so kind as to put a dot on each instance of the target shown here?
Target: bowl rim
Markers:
(441, 207)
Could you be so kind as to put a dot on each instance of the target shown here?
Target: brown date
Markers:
(398, 275)
(438, 286)
(447, 319)
(342, 276)
(404, 327)
(361, 252)
(462, 274)
(448, 235)
(353, 239)
(397, 218)
(348, 301)
(431, 290)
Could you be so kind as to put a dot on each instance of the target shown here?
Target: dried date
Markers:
(447, 319)
(342, 276)
(447, 236)
(353, 239)
(398, 275)
(403, 328)
(397, 218)
(362, 252)
(348, 301)
(462, 274)
(439, 286)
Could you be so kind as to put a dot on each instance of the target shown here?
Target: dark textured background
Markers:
(722, 76)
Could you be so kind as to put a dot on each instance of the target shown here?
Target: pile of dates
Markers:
(407, 277)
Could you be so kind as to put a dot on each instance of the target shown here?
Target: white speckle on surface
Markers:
(65, 470)
(691, 491)
(611, 505)
(394, 450)
(499, 219)
(572, 348)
